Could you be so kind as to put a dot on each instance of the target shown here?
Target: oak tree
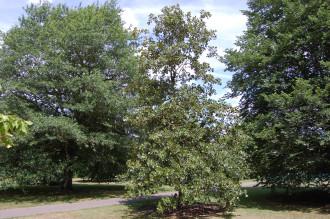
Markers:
(66, 70)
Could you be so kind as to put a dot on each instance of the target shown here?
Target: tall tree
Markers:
(66, 70)
(183, 138)
(282, 72)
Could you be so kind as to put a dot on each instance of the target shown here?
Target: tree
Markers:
(184, 138)
(10, 125)
(171, 56)
(66, 70)
(282, 74)
(189, 145)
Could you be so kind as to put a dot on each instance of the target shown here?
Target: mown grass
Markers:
(303, 200)
(38, 195)
(260, 203)
(29, 196)
(302, 204)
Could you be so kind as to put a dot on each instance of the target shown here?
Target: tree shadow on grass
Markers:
(139, 209)
(146, 208)
(304, 200)
(34, 195)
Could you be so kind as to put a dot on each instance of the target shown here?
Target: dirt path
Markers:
(44, 209)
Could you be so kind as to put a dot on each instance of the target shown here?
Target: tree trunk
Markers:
(179, 199)
(67, 181)
(67, 175)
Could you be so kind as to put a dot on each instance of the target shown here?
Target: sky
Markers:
(226, 19)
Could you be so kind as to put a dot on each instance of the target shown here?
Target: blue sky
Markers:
(226, 19)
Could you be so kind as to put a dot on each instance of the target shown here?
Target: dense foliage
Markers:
(66, 70)
(282, 72)
(184, 139)
(189, 143)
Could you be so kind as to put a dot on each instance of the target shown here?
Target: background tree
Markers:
(66, 69)
(282, 74)
(183, 138)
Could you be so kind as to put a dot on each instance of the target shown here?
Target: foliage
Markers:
(282, 74)
(184, 139)
(170, 57)
(28, 165)
(167, 204)
(289, 136)
(66, 70)
(189, 145)
(8, 126)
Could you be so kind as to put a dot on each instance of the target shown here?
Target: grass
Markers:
(303, 200)
(260, 203)
(111, 212)
(303, 204)
(82, 190)
(38, 195)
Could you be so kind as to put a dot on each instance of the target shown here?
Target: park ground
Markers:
(259, 203)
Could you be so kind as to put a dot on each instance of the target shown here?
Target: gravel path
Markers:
(44, 209)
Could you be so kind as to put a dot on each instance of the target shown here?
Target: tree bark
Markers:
(179, 199)
(67, 175)
(67, 181)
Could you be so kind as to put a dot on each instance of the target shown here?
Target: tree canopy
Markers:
(66, 70)
(282, 75)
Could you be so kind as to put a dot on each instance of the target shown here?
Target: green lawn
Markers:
(112, 212)
(304, 204)
(38, 195)
(260, 203)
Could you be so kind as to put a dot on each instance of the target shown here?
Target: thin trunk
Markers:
(67, 174)
(67, 181)
(180, 197)
(172, 81)
(273, 189)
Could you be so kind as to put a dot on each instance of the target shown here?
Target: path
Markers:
(44, 209)
(51, 208)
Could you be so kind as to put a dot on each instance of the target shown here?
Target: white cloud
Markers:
(130, 17)
(4, 26)
(224, 76)
(233, 101)
(214, 62)
(38, 1)
(227, 25)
